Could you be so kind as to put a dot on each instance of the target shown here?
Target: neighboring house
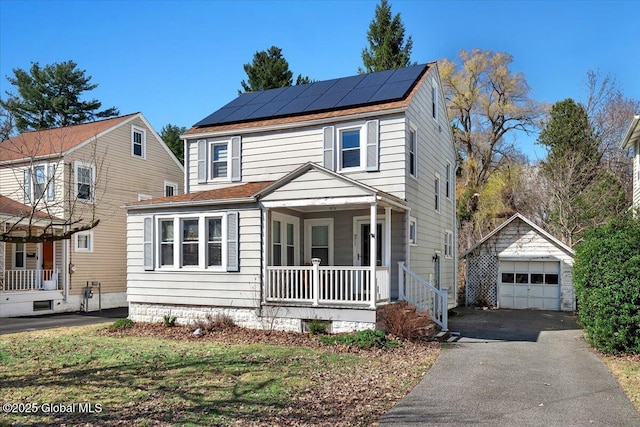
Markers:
(83, 171)
(316, 201)
(631, 141)
(520, 266)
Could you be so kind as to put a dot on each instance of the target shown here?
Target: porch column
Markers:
(373, 252)
(387, 232)
(265, 285)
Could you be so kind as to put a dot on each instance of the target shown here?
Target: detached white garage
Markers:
(520, 266)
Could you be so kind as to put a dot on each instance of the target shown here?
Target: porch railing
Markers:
(29, 280)
(326, 284)
(423, 295)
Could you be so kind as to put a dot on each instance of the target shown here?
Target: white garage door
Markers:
(529, 284)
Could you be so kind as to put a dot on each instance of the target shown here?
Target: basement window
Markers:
(43, 305)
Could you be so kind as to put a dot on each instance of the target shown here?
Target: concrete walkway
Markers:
(10, 325)
(516, 368)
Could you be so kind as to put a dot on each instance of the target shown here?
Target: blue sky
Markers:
(178, 61)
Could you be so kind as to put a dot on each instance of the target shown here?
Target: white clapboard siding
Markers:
(201, 287)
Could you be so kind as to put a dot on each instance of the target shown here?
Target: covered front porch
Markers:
(331, 242)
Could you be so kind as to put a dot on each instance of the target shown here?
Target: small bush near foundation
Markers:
(218, 322)
(121, 324)
(362, 339)
(169, 320)
(404, 321)
(607, 283)
(319, 327)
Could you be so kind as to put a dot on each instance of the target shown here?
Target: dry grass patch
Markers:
(626, 369)
(151, 375)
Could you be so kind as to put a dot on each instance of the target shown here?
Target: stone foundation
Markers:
(244, 317)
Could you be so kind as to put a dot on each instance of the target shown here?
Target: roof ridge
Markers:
(79, 124)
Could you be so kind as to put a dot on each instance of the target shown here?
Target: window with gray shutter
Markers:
(373, 157)
(202, 161)
(236, 165)
(148, 252)
(328, 157)
(233, 235)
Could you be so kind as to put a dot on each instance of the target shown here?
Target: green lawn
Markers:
(154, 381)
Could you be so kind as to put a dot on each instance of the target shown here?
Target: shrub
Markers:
(607, 284)
(404, 321)
(169, 320)
(210, 323)
(319, 327)
(362, 339)
(121, 324)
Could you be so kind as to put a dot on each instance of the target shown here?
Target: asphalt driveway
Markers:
(516, 368)
(10, 325)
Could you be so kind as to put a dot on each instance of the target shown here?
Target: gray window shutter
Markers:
(236, 165)
(328, 157)
(147, 244)
(233, 249)
(26, 185)
(373, 149)
(202, 161)
(51, 183)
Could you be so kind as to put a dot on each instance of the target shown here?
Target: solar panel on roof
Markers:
(327, 101)
(297, 105)
(375, 79)
(345, 92)
(391, 91)
(268, 109)
(406, 73)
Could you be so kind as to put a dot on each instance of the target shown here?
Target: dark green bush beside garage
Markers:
(607, 284)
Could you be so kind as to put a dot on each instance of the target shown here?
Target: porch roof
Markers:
(11, 210)
(313, 185)
(243, 193)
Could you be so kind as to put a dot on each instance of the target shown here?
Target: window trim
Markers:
(284, 220)
(448, 243)
(14, 256)
(203, 242)
(92, 187)
(308, 223)
(437, 193)
(48, 192)
(143, 143)
(414, 132)
(361, 127)
(209, 157)
(142, 197)
(413, 241)
(171, 184)
(90, 242)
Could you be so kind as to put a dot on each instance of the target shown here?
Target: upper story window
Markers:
(219, 160)
(350, 149)
(413, 154)
(138, 142)
(39, 183)
(85, 179)
(170, 189)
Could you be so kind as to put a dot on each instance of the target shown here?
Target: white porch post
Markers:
(265, 255)
(373, 252)
(401, 281)
(315, 279)
(387, 232)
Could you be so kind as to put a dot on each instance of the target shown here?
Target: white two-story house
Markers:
(631, 141)
(317, 201)
(54, 180)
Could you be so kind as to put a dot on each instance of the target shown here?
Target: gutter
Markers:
(191, 203)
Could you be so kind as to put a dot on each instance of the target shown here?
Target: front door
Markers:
(47, 256)
(363, 242)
